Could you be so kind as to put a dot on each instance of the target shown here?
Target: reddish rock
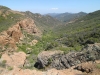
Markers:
(14, 34)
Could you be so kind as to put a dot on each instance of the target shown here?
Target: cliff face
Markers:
(14, 34)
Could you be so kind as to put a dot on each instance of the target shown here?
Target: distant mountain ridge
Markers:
(44, 22)
(66, 17)
(9, 17)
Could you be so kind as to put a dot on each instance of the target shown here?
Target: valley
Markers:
(35, 44)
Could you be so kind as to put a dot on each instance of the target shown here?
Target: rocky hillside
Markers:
(31, 41)
(16, 26)
(15, 34)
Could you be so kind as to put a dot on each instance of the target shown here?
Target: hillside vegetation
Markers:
(56, 35)
(73, 36)
(84, 31)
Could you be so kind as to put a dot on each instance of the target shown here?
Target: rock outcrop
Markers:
(16, 59)
(29, 26)
(14, 34)
(45, 58)
(63, 61)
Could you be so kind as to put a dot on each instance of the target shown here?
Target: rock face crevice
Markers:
(63, 61)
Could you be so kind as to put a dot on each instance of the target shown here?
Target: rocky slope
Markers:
(14, 64)
(15, 34)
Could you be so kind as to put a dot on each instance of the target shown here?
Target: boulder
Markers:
(45, 58)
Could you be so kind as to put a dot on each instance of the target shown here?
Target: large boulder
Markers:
(63, 61)
(46, 58)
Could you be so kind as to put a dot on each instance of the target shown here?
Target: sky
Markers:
(52, 6)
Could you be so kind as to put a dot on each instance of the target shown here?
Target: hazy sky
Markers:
(52, 6)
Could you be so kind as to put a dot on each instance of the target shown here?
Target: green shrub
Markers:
(0, 55)
(50, 61)
(4, 61)
(98, 66)
(66, 49)
(10, 68)
(77, 47)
